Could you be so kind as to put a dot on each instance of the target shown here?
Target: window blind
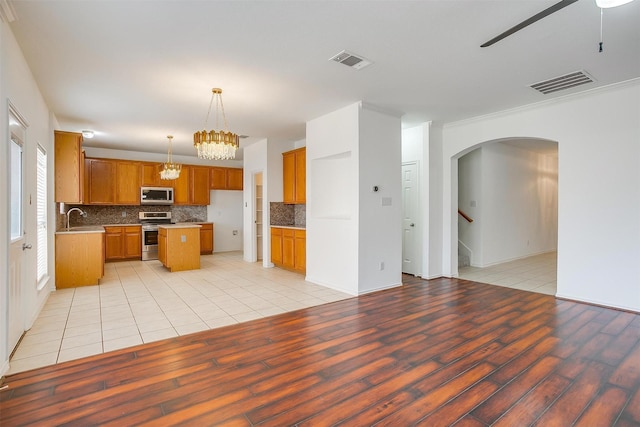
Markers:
(41, 245)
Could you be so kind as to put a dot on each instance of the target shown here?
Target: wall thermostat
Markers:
(375, 188)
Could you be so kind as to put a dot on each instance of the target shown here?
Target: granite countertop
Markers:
(295, 227)
(82, 229)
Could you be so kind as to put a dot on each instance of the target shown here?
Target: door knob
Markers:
(412, 225)
(26, 246)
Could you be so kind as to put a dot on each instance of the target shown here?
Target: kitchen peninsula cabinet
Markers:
(289, 247)
(68, 167)
(226, 178)
(79, 258)
(294, 176)
(123, 243)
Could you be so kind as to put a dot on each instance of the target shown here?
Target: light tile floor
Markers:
(139, 302)
(536, 274)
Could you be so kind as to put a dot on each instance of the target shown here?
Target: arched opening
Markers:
(507, 221)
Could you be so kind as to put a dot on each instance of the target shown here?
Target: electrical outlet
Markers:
(381, 265)
(235, 232)
(124, 214)
(183, 238)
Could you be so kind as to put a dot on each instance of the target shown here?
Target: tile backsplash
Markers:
(102, 215)
(288, 215)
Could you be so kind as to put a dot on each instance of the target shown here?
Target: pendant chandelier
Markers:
(170, 170)
(216, 145)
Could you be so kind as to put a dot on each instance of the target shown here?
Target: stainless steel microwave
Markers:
(156, 195)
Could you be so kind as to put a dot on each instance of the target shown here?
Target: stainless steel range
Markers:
(150, 222)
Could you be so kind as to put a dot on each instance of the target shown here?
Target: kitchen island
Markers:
(179, 246)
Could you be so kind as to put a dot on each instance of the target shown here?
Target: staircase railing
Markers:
(465, 216)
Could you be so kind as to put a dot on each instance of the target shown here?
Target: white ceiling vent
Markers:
(563, 82)
(351, 60)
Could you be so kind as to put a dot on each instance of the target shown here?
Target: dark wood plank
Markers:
(437, 352)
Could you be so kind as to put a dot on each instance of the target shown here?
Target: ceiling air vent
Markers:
(563, 82)
(351, 60)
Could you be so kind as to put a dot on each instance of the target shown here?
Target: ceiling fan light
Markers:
(604, 4)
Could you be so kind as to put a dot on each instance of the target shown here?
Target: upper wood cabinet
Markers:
(226, 178)
(199, 186)
(112, 182)
(127, 183)
(294, 176)
(181, 192)
(69, 167)
(100, 180)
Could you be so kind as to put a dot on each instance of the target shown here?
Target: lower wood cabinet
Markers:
(206, 238)
(123, 243)
(79, 259)
(179, 247)
(289, 248)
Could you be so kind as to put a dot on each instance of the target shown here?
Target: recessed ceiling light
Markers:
(87, 134)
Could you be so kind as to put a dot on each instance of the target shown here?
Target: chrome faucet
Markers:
(82, 213)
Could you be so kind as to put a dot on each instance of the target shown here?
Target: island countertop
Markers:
(180, 225)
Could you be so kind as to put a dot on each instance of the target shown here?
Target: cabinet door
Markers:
(132, 242)
(288, 248)
(181, 187)
(150, 175)
(301, 176)
(68, 167)
(199, 187)
(234, 179)
(206, 239)
(218, 178)
(128, 183)
(289, 177)
(300, 262)
(101, 181)
(276, 245)
(162, 245)
(114, 243)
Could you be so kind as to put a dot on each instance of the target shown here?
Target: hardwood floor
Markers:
(435, 353)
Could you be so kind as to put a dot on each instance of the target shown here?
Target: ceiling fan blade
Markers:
(538, 16)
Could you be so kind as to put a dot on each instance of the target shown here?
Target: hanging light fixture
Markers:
(216, 145)
(170, 170)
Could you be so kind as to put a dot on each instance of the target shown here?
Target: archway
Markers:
(505, 196)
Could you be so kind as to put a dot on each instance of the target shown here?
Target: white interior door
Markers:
(409, 217)
(17, 244)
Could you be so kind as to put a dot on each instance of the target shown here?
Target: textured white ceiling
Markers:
(136, 71)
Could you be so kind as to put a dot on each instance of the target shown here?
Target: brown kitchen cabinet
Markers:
(181, 187)
(123, 243)
(150, 176)
(79, 259)
(206, 238)
(112, 182)
(100, 175)
(68, 167)
(127, 185)
(294, 172)
(199, 185)
(276, 245)
(288, 248)
(179, 247)
(226, 178)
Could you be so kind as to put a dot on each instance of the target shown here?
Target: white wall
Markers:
(380, 213)
(18, 86)
(332, 199)
(470, 193)
(349, 232)
(598, 187)
(225, 211)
